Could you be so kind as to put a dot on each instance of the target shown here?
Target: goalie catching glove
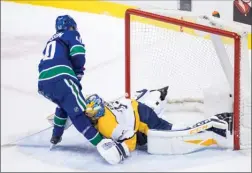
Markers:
(113, 152)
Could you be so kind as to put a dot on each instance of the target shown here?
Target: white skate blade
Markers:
(52, 146)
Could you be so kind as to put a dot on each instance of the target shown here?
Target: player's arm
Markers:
(76, 52)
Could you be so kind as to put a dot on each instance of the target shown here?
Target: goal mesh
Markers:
(159, 53)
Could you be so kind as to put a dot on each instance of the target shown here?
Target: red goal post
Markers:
(237, 53)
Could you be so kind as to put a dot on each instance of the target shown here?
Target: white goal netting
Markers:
(191, 62)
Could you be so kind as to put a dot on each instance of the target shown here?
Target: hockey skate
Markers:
(54, 141)
(141, 93)
(155, 99)
(163, 91)
(223, 123)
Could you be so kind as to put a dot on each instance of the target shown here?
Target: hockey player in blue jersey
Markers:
(60, 73)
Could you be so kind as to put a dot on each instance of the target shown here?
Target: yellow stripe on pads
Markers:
(206, 142)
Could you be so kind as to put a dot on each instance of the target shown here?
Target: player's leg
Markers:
(74, 104)
(60, 119)
(67, 95)
(59, 122)
(141, 138)
(150, 120)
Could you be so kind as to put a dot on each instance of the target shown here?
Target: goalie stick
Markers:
(14, 143)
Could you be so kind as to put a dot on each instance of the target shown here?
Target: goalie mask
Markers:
(95, 106)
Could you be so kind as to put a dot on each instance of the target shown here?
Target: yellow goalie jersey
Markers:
(121, 122)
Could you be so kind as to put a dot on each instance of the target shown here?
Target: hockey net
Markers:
(193, 55)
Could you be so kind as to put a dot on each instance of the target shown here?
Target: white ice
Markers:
(24, 32)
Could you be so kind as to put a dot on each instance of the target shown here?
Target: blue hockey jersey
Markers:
(64, 57)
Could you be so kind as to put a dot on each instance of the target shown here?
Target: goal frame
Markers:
(237, 53)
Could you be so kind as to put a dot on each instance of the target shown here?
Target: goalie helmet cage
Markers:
(131, 32)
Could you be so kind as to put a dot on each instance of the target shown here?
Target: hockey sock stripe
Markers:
(78, 54)
(96, 139)
(58, 125)
(75, 94)
(60, 117)
(77, 49)
(56, 71)
(59, 121)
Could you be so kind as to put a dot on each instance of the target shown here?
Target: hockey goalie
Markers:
(126, 123)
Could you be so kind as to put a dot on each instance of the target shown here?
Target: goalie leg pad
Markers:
(150, 118)
(176, 143)
(113, 152)
(203, 134)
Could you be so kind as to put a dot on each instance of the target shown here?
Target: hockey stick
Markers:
(14, 143)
